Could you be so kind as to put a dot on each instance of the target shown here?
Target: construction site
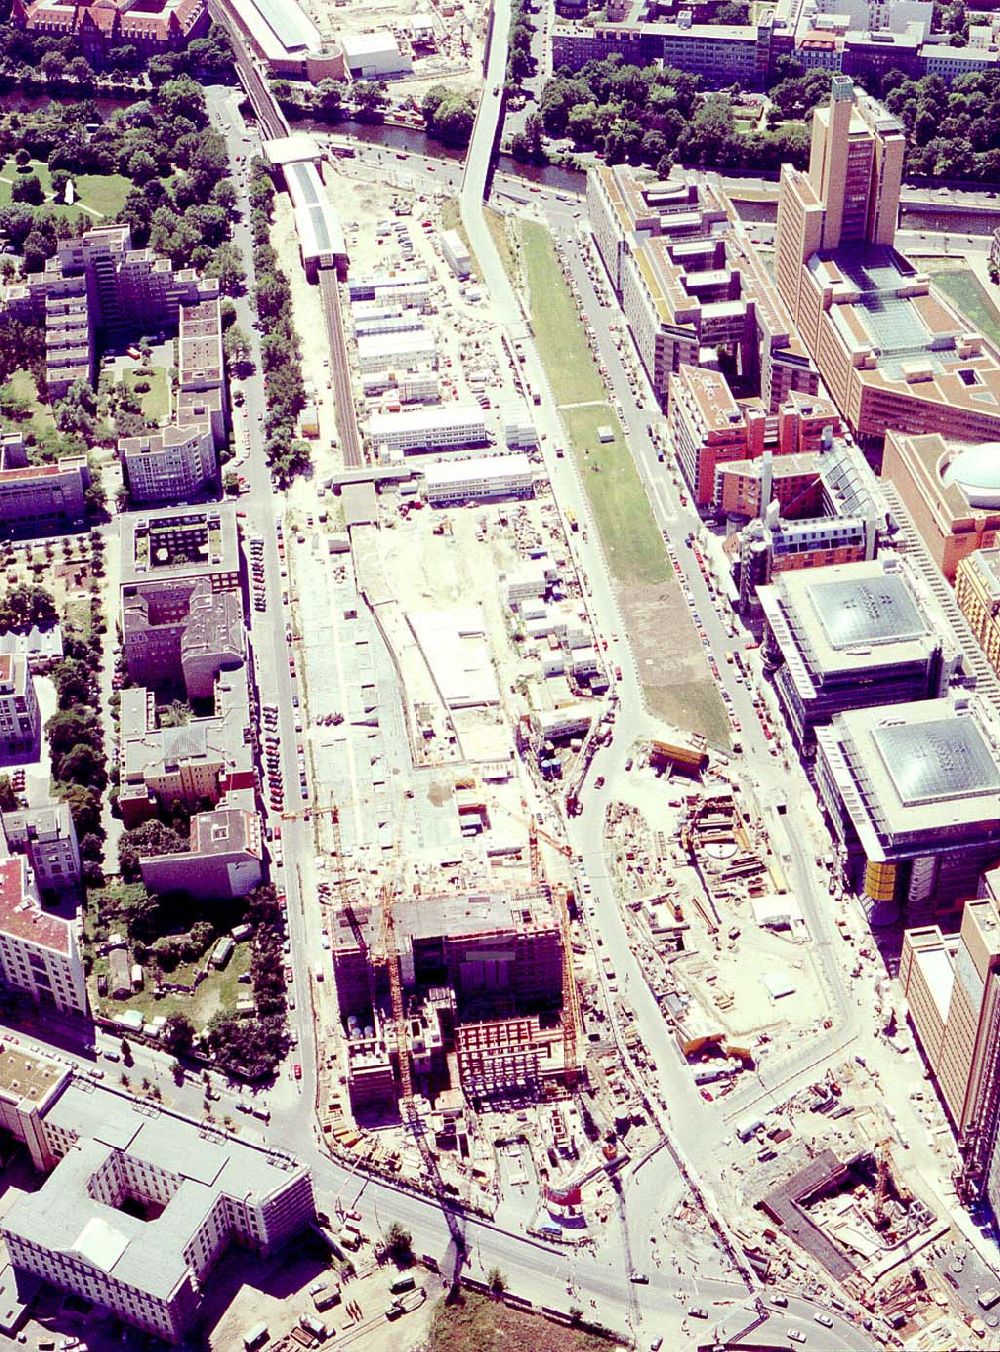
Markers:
(704, 901)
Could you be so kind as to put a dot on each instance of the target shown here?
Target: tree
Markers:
(151, 839)
(126, 1052)
(178, 1034)
(399, 1243)
(496, 1281)
(370, 98)
(27, 188)
(81, 764)
(236, 347)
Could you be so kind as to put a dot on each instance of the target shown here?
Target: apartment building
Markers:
(709, 429)
(952, 986)
(912, 795)
(850, 636)
(183, 633)
(977, 591)
(951, 491)
(891, 350)
(141, 1204)
(150, 26)
(224, 858)
(39, 953)
(197, 764)
(40, 499)
(30, 1082)
(46, 836)
(20, 721)
(173, 464)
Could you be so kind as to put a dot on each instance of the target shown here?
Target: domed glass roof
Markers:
(976, 471)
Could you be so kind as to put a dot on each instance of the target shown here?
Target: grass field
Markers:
(155, 402)
(97, 195)
(23, 385)
(478, 1324)
(967, 292)
(217, 992)
(571, 370)
(632, 542)
(496, 224)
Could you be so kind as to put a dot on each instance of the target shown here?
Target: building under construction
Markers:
(482, 988)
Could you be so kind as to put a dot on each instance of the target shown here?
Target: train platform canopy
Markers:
(295, 149)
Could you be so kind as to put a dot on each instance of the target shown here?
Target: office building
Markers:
(892, 352)
(198, 763)
(46, 836)
(141, 1204)
(708, 428)
(224, 858)
(20, 721)
(39, 953)
(481, 477)
(912, 795)
(428, 429)
(951, 491)
(952, 986)
(40, 499)
(850, 636)
(977, 591)
(690, 283)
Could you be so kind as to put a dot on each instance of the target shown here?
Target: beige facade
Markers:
(977, 590)
(952, 985)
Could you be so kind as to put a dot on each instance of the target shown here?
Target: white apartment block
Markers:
(47, 837)
(38, 950)
(20, 724)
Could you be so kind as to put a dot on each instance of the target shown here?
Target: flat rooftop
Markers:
(21, 917)
(923, 775)
(867, 611)
(27, 1076)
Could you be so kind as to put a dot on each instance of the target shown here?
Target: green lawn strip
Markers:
(964, 289)
(632, 542)
(497, 226)
(572, 372)
(155, 402)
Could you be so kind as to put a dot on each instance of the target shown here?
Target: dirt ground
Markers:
(478, 1324)
(671, 662)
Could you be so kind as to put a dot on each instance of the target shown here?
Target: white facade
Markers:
(490, 476)
(456, 254)
(372, 56)
(19, 716)
(38, 951)
(170, 465)
(392, 351)
(428, 428)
